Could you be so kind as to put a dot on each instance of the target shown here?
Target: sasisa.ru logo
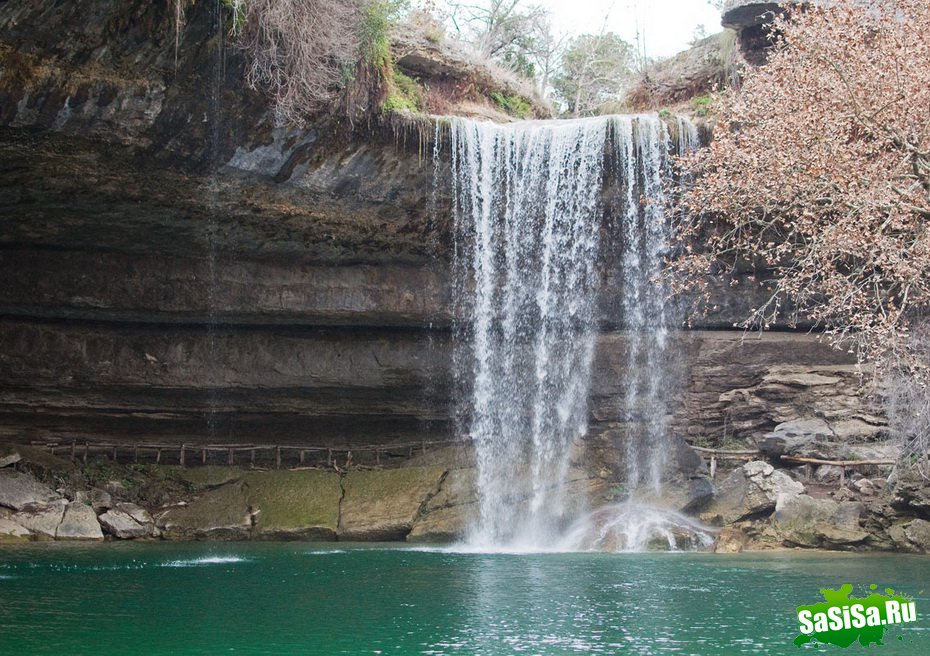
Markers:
(842, 619)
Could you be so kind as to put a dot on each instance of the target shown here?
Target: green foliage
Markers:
(146, 485)
(395, 102)
(513, 105)
(664, 113)
(405, 93)
(374, 30)
(702, 104)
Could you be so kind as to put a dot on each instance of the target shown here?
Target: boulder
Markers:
(913, 535)
(19, 491)
(383, 505)
(803, 521)
(807, 438)
(121, 525)
(43, 520)
(865, 487)
(11, 458)
(750, 490)
(910, 491)
(99, 500)
(138, 513)
(79, 522)
(11, 532)
(219, 514)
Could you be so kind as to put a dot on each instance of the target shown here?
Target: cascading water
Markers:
(647, 314)
(529, 209)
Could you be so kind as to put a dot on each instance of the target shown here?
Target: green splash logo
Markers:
(842, 620)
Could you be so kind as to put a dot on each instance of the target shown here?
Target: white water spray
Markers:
(529, 204)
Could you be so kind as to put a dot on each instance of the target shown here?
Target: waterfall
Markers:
(529, 208)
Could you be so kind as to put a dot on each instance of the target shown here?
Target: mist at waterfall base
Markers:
(529, 201)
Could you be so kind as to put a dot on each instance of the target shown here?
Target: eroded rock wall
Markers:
(174, 266)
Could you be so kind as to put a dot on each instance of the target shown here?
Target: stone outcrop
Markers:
(79, 522)
(384, 505)
(803, 521)
(751, 20)
(121, 525)
(749, 491)
(19, 490)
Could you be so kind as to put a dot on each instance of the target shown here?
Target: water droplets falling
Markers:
(528, 200)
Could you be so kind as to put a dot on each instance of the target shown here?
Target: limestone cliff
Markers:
(177, 267)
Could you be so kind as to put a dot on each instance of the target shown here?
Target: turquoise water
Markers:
(287, 598)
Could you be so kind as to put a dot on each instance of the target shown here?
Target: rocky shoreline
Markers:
(754, 507)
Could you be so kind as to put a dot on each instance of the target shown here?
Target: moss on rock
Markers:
(384, 504)
(302, 504)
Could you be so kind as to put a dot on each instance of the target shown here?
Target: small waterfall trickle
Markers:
(529, 203)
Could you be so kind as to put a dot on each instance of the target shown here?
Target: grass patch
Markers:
(514, 105)
(404, 93)
(703, 104)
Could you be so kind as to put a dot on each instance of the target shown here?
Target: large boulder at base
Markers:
(383, 505)
(10, 531)
(99, 500)
(79, 522)
(748, 491)
(121, 525)
(138, 513)
(803, 521)
(43, 521)
(910, 492)
(912, 535)
(19, 490)
(219, 514)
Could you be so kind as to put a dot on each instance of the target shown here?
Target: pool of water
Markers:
(298, 598)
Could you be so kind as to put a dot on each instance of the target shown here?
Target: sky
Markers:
(668, 25)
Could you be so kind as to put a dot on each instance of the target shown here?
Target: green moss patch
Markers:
(304, 503)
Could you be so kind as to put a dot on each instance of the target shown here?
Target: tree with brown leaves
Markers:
(819, 179)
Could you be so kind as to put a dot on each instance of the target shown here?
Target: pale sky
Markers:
(668, 25)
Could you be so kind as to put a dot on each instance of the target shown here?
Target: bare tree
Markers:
(300, 50)
(495, 26)
(595, 69)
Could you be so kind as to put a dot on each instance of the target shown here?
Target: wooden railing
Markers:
(188, 454)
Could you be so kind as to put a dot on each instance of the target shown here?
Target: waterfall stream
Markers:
(529, 202)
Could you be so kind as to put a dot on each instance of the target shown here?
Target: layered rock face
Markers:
(176, 267)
